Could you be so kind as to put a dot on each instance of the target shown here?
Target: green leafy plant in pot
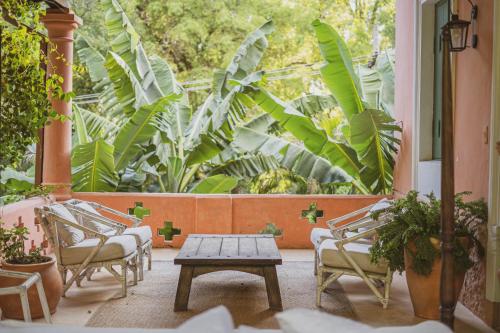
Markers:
(410, 241)
(14, 258)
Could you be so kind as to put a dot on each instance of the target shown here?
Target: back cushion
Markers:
(382, 204)
(92, 224)
(67, 234)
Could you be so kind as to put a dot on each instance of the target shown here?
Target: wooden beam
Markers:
(447, 290)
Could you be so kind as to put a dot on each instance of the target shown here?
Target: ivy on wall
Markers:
(25, 107)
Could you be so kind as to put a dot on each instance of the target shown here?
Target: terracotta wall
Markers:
(404, 93)
(232, 213)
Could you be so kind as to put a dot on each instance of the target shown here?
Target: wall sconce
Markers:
(458, 30)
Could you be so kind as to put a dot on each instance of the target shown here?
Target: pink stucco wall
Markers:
(472, 119)
(404, 93)
(473, 105)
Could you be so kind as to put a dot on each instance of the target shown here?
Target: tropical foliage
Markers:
(145, 136)
(24, 86)
(415, 226)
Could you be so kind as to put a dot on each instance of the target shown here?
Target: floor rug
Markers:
(150, 303)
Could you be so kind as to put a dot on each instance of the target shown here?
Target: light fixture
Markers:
(456, 31)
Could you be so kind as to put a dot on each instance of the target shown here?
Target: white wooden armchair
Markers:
(30, 279)
(344, 248)
(88, 214)
(81, 250)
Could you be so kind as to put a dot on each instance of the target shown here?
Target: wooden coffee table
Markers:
(254, 254)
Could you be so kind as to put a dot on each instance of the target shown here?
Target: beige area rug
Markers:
(150, 303)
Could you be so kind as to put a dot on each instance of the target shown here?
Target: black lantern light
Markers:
(457, 31)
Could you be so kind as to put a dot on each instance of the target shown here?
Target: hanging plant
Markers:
(24, 89)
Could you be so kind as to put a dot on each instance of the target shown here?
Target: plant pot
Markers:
(52, 284)
(425, 290)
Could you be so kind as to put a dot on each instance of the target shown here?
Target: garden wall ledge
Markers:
(208, 213)
(232, 213)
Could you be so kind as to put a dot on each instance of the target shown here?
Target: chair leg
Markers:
(23, 293)
(43, 301)
(140, 254)
(150, 256)
(319, 284)
(123, 279)
(135, 269)
(315, 262)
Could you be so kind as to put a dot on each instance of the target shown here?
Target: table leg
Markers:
(273, 288)
(183, 288)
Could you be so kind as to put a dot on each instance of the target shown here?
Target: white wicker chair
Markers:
(30, 279)
(82, 256)
(88, 214)
(344, 249)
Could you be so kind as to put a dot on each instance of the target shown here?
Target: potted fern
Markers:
(410, 242)
(13, 257)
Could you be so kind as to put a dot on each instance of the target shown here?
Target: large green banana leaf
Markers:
(250, 52)
(371, 85)
(215, 184)
(138, 130)
(370, 130)
(94, 167)
(372, 134)
(311, 104)
(80, 126)
(303, 128)
(338, 72)
(385, 67)
(247, 166)
(289, 155)
(90, 125)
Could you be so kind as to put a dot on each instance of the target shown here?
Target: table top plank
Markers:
(266, 247)
(248, 247)
(190, 246)
(229, 250)
(210, 247)
(229, 247)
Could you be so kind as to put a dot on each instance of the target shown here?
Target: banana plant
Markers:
(158, 141)
(371, 130)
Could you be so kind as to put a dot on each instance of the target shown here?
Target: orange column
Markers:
(57, 136)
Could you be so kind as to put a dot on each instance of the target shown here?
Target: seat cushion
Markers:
(93, 224)
(116, 247)
(142, 234)
(67, 234)
(318, 233)
(330, 256)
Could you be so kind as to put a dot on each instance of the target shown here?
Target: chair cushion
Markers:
(329, 256)
(93, 224)
(142, 234)
(116, 247)
(382, 204)
(67, 234)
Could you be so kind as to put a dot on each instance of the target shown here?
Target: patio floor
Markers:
(81, 303)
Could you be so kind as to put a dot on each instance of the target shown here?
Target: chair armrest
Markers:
(135, 220)
(335, 221)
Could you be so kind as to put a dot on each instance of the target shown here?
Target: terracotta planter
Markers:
(52, 284)
(425, 290)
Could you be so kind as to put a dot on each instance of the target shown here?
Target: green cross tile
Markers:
(139, 210)
(272, 229)
(312, 214)
(168, 231)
